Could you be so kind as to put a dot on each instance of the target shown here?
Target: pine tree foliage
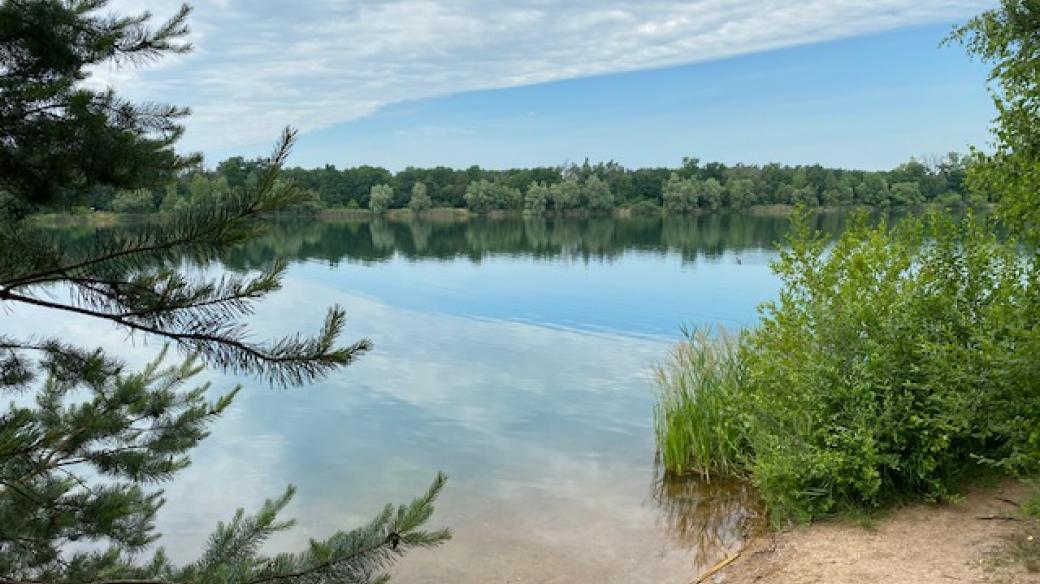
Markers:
(136, 429)
(55, 134)
(85, 443)
(126, 279)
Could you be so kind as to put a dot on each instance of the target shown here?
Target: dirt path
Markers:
(920, 544)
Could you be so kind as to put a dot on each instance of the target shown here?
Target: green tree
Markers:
(356, 185)
(94, 423)
(380, 198)
(536, 200)
(172, 200)
(203, 187)
(772, 183)
(238, 171)
(566, 195)
(479, 196)
(950, 199)
(419, 201)
(710, 193)
(681, 195)
(741, 193)
(136, 201)
(906, 193)
(597, 196)
(1006, 38)
(837, 195)
(507, 197)
(872, 190)
(79, 464)
(911, 348)
(805, 196)
(483, 196)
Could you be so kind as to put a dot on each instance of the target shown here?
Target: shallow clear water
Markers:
(514, 355)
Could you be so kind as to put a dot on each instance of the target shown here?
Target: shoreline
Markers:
(919, 543)
(458, 214)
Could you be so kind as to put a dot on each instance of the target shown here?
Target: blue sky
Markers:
(866, 102)
(853, 83)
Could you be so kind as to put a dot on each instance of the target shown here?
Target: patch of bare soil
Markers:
(920, 544)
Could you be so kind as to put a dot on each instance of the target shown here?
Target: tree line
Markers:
(594, 188)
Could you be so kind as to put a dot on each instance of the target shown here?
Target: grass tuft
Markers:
(698, 429)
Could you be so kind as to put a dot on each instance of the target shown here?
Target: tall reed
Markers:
(698, 426)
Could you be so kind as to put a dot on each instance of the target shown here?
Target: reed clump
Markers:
(696, 419)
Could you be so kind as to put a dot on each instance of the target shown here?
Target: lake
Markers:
(515, 355)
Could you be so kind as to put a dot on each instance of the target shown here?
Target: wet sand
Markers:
(552, 540)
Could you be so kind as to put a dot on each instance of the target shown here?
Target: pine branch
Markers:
(211, 226)
(291, 360)
(118, 283)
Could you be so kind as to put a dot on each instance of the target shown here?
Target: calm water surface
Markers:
(515, 356)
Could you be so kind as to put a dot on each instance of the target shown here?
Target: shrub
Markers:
(894, 363)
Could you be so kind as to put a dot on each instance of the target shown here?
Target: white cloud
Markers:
(262, 64)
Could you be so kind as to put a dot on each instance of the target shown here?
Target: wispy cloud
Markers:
(262, 64)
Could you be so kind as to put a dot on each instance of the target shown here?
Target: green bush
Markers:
(895, 362)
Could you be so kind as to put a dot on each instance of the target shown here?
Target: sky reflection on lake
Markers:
(523, 375)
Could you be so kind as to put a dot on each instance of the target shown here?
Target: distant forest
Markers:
(594, 188)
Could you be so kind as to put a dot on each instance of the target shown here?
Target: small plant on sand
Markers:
(1021, 548)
